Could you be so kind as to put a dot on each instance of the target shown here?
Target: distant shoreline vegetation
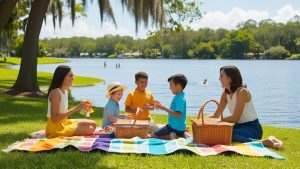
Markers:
(251, 40)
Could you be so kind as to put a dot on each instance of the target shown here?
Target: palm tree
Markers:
(27, 77)
(141, 10)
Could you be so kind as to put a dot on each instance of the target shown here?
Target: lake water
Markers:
(274, 85)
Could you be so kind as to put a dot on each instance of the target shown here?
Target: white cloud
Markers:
(285, 14)
(218, 19)
(82, 28)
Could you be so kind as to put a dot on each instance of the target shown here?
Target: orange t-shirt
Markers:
(137, 99)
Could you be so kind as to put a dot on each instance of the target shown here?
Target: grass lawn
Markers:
(9, 76)
(43, 60)
(21, 116)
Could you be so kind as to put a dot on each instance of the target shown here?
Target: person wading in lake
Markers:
(247, 127)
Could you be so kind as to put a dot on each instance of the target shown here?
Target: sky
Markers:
(216, 14)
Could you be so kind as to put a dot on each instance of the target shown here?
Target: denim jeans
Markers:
(247, 132)
(166, 130)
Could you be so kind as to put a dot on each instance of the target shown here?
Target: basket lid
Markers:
(211, 122)
(129, 122)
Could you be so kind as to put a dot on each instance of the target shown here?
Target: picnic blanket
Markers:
(137, 145)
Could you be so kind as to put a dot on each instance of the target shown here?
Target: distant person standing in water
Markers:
(104, 65)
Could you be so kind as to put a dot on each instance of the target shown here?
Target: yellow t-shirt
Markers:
(137, 99)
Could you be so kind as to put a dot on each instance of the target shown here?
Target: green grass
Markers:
(21, 116)
(43, 60)
(295, 56)
(9, 76)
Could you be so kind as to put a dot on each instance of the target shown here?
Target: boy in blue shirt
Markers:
(177, 112)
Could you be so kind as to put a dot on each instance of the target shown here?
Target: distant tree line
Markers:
(250, 40)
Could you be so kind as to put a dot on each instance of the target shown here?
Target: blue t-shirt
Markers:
(111, 108)
(178, 105)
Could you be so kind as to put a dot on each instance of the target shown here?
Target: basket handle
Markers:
(135, 118)
(202, 108)
(133, 123)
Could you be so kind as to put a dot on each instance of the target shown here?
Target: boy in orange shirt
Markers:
(142, 98)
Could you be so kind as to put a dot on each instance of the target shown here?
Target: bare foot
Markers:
(273, 142)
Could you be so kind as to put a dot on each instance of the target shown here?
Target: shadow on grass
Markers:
(44, 81)
(9, 138)
(68, 158)
(14, 110)
(6, 84)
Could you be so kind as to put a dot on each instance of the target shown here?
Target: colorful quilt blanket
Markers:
(137, 145)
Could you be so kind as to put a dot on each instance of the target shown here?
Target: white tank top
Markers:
(63, 105)
(249, 112)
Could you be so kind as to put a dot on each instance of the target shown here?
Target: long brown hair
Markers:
(235, 76)
(58, 77)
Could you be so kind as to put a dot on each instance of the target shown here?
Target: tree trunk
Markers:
(6, 9)
(27, 78)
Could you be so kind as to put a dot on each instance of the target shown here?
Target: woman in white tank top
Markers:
(58, 123)
(239, 101)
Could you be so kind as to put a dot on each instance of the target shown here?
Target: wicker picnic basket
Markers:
(128, 128)
(211, 131)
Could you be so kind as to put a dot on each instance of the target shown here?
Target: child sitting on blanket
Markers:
(177, 113)
(111, 110)
(142, 98)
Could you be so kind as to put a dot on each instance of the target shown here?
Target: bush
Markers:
(204, 51)
(112, 56)
(278, 52)
(191, 53)
(42, 52)
(167, 51)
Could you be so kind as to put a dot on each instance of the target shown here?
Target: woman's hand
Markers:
(81, 106)
(213, 116)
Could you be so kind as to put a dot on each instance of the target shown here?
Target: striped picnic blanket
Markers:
(137, 145)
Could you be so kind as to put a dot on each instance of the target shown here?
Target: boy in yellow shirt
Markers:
(142, 98)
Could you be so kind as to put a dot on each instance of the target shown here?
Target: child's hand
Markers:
(147, 106)
(157, 104)
(124, 116)
(128, 116)
(139, 110)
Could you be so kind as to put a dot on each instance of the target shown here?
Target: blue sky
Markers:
(217, 14)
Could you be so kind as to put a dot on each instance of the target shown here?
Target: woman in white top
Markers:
(239, 101)
(58, 123)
